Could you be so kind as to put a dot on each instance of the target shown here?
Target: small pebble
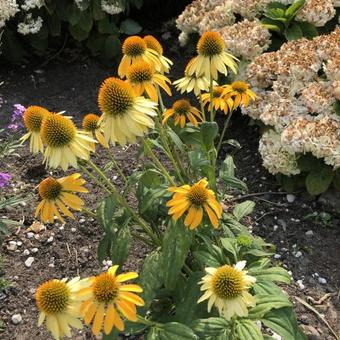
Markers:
(300, 284)
(277, 256)
(315, 275)
(309, 233)
(26, 252)
(29, 261)
(30, 235)
(298, 254)
(16, 319)
(322, 280)
(12, 245)
(82, 220)
(275, 227)
(34, 250)
(290, 198)
(50, 239)
(51, 265)
(61, 228)
(19, 243)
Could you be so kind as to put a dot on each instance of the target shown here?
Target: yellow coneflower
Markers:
(59, 304)
(220, 102)
(135, 49)
(182, 111)
(143, 78)
(92, 126)
(227, 288)
(240, 93)
(107, 299)
(154, 44)
(195, 199)
(211, 57)
(57, 195)
(33, 117)
(125, 115)
(64, 142)
(192, 82)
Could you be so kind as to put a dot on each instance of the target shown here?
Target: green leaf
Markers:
(130, 27)
(73, 14)
(243, 209)
(293, 9)
(209, 131)
(337, 107)
(54, 25)
(233, 182)
(150, 278)
(206, 258)
(247, 329)
(228, 167)
(308, 30)
(293, 32)
(177, 141)
(272, 274)
(176, 331)
(108, 27)
(85, 22)
(120, 248)
(210, 327)
(197, 159)
(283, 322)
(112, 336)
(78, 33)
(265, 303)
(318, 181)
(105, 213)
(309, 162)
(276, 4)
(336, 179)
(97, 12)
(176, 245)
(265, 287)
(112, 47)
(104, 247)
(258, 252)
(229, 244)
(272, 24)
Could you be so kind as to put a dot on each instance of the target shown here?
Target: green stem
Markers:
(147, 322)
(124, 203)
(119, 170)
(95, 179)
(157, 162)
(142, 238)
(88, 212)
(202, 107)
(226, 123)
(211, 89)
(187, 269)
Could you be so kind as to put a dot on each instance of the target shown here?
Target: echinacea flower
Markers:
(182, 111)
(4, 179)
(64, 142)
(91, 125)
(58, 303)
(33, 118)
(142, 77)
(192, 82)
(240, 93)
(227, 288)
(57, 194)
(154, 44)
(218, 99)
(195, 199)
(211, 57)
(135, 49)
(125, 115)
(108, 299)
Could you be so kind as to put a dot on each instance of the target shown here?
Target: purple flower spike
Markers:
(4, 179)
(16, 118)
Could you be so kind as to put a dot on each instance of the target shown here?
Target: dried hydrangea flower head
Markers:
(196, 200)
(154, 44)
(135, 49)
(92, 125)
(33, 118)
(64, 142)
(143, 78)
(58, 196)
(125, 116)
(108, 299)
(182, 112)
(227, 289)
(212, 57)
(58, 304)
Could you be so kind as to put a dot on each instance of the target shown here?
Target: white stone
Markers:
(34, 250)
(300, 284)
(315, 275)
(51, 265)
(82, 220)
(30, 235)
(322, 280)
(275, 227)
(12, 245)
(298, 254)
(73, 230)
(26, 252)
(309, 233)
(277, 256)
(50, 239)
(19, 243)
(16, 319)
(29, 261)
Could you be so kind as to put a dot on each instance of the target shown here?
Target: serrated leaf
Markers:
(243, 209)
(105, 213)
(272, 274)
(247, 329)
(176, 331)
(210, 327)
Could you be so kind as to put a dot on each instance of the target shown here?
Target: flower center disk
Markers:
(50, 189)
(134, 46)
(181, 107)
(115, 97)
(33, 117)
(227, 283)
(239, 86)
(53, 297)
(57, 131)
(153, 43)
(90, 122)
(198, 195)
(217, 92)
(105, 288)
(210, 44)
(140, 72)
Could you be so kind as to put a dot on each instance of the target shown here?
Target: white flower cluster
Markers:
(8, 8)
(275, 157)
(112, 6)
(30, 4)
(297, 88)
(30, 25)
